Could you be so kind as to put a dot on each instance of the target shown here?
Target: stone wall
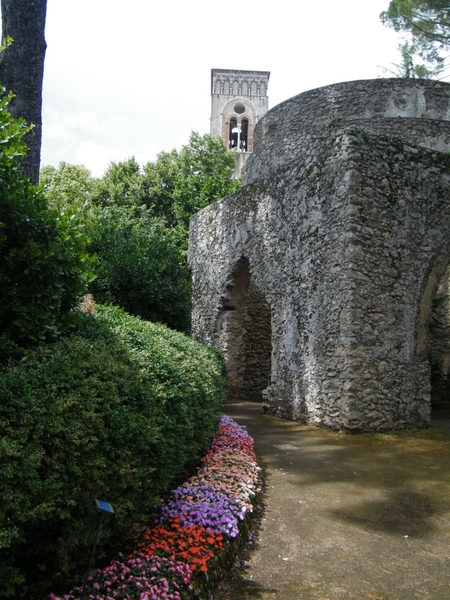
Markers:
(343, 241)
(415, 110)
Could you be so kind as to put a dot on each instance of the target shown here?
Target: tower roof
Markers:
(238, 72)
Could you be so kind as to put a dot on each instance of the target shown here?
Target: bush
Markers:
(140, 267)
(118, 411)
(44, 267)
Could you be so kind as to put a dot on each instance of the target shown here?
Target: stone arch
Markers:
(433, 335)
(350, 233)
(250, 110)
(245, 333)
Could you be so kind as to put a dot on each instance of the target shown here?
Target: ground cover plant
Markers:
(120, 410)
(191, 546)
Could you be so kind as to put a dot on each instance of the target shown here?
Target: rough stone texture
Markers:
(344, 238)
(414, 110)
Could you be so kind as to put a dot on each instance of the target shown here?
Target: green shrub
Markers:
(140, 267)
(44, 267)
(117, 411)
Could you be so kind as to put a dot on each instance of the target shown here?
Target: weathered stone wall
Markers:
(414, 110)
(438, 337)
(345, 244)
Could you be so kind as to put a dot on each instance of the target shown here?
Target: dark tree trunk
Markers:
(22, 70)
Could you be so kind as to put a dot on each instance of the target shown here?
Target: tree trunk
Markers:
(22, 70)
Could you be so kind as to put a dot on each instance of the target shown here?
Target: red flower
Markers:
(196, 545)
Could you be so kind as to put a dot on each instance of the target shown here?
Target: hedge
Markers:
(119, 411)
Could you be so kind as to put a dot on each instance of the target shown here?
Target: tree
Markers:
(140, 266)
(138, 222)
(205, 175)
(67, 186)
(427, 23)
(158, 185)
(22, 70)
(176, 185)
(120, 185)
(181, 183)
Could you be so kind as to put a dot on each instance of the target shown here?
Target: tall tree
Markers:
(22, 70)
(180, 183)
(427, 23)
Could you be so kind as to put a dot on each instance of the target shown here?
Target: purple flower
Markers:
(204, 505)
(218, 498)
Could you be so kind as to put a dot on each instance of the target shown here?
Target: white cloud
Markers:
(147, 154)
(96, 157)
(65, 126)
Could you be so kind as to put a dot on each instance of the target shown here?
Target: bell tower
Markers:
(238, 100)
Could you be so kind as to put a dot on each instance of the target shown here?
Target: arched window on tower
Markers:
(244, 135)
(233, 137)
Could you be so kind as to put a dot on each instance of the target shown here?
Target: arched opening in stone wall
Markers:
(246, 336)
(434, 336)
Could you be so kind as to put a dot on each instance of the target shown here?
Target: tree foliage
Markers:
(204, 175)
(67, 186)
(120, 185)
(427, 24)
(176, 185)
(140, 267)
(44, 266)
(138, 221)
(157, 186)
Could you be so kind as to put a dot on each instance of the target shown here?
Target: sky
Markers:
(132, 78)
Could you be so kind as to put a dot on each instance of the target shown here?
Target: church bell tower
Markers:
(238, 100)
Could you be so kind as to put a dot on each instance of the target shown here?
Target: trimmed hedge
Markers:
(118, 411)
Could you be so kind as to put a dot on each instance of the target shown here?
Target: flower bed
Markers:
(193, 544)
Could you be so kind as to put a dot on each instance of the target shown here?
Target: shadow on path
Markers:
(347, 516)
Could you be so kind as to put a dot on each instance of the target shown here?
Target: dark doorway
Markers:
(435, 318)
(246, 335)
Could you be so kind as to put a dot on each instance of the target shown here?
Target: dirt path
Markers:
(364, 517)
